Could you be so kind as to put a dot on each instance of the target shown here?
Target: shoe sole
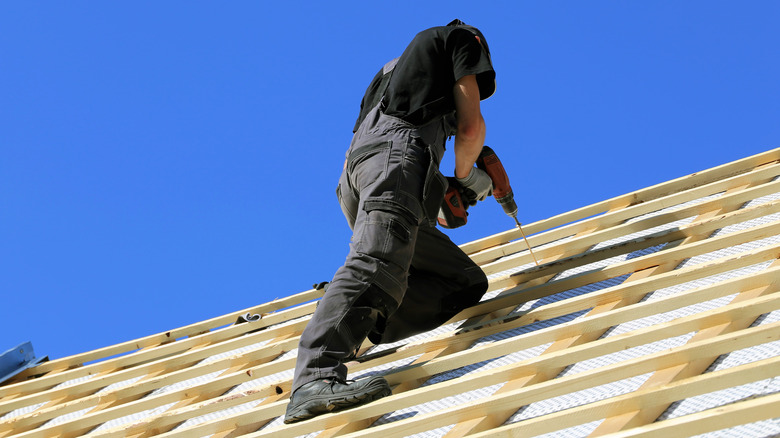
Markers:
(321, 405)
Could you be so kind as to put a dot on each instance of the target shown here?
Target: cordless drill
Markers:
(502, 191)
(453, 212)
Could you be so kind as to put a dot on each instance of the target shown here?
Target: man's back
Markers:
(420, 88)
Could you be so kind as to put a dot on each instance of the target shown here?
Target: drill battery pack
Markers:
(452, 213)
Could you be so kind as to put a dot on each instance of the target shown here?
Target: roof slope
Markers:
(655, 312)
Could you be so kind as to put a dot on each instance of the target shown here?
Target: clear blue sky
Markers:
(167, 162)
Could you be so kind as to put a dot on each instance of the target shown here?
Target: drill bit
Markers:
(488, 162)
(526, 240)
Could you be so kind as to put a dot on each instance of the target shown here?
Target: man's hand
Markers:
(477, 185)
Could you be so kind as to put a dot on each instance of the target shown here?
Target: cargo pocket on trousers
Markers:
(433, 192)
(388, 234)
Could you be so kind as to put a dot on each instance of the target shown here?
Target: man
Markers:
(402, 275)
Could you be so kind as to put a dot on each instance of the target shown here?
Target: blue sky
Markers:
(167, 162)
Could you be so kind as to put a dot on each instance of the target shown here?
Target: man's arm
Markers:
(470, 136)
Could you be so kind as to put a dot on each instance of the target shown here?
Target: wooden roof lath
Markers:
(648, 315)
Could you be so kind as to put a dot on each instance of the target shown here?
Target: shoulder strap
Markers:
(376, 91)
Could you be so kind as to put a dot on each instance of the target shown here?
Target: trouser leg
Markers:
(333, 335)
(443, 280)
(373, 279)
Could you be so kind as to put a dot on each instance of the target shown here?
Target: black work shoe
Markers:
(327, 395)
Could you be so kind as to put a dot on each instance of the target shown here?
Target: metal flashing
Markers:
(18, 359)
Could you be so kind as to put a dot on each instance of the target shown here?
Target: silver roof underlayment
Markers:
(656, 312)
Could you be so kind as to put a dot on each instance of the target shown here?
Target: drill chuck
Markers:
(508, 203)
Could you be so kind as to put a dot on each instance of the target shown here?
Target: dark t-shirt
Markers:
(421, 86)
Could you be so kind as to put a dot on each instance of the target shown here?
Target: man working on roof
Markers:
(402, 275)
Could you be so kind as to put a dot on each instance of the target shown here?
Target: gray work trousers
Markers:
(402, 275)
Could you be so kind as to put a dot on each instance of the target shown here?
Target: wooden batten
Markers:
(603, 267)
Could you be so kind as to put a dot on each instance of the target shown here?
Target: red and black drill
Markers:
(453, 212)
